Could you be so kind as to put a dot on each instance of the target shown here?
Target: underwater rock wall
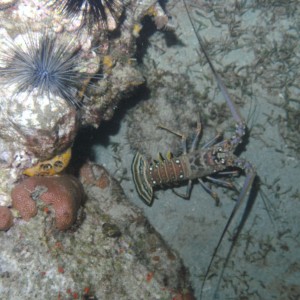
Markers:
(62, 69)
(59, 71)
(111, 253)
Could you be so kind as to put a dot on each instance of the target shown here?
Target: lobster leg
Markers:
(213, 141)
(221, 182)
(187, 194)
(197, 136)
(213, 194)
(183, 137)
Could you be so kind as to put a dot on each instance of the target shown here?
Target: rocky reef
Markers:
(61, 70)
(112, 252)
(74, 236)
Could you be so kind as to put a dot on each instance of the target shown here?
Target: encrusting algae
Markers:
(52, 166)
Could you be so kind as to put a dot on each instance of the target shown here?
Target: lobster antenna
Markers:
(234, 111)
(249, 178)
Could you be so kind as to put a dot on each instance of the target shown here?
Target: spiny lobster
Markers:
(213, 158)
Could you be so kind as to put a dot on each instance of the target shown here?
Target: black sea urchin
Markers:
(93, 11)
(43, 64)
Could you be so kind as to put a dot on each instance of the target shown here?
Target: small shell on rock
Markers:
(111, 230)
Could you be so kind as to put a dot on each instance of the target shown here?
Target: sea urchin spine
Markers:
(93, 11)
(43, 64)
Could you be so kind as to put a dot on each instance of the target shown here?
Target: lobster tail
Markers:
(143, 186)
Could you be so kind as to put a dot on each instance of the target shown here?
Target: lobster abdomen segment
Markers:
(167, 171)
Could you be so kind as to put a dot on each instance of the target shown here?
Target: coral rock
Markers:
(22, 201)
(6, 218)
(64, 193)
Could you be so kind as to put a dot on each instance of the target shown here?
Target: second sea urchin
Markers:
(93, 11)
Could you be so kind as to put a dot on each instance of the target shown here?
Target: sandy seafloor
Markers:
(255, 47)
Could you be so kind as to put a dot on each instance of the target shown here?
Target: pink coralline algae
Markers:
(6, 218)
(63, 193)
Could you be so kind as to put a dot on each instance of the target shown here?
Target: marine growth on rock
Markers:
(64, 194)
